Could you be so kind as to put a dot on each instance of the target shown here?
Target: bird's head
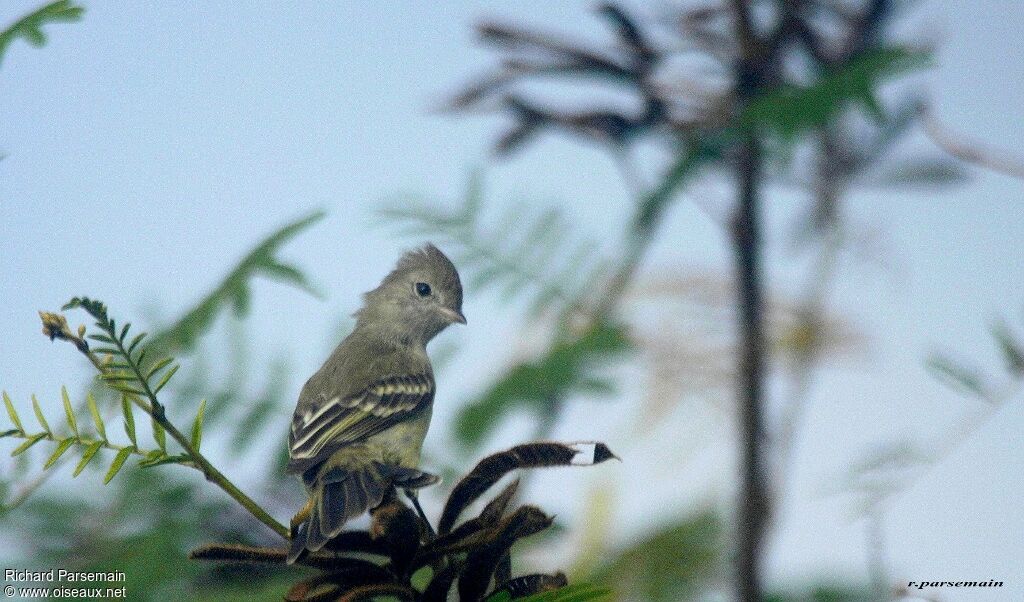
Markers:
(418, 299)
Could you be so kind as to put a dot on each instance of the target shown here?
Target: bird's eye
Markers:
(423, 289)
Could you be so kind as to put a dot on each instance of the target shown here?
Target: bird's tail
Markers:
(340, 494)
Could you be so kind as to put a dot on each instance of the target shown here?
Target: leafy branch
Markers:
(126, 370)
(30, 27)
(184, 333)
(90, 445)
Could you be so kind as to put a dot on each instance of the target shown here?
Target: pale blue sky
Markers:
(148, 147)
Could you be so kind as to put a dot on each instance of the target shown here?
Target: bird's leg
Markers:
(301, 516)
(414, 498)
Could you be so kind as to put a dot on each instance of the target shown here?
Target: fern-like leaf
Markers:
(68, 411)
(534, 256)
(87, 456)
(129, 418)
(97, 419)
(160, 436)
(197, 426)
(165, 379)
(29, 442)
(119, 460)
(39, 415)
(62, 447)
(12, 413)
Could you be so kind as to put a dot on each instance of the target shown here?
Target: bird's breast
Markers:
(401, 444)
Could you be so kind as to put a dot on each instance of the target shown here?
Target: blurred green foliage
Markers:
(826, 593)
(148, 522)
(971, 380)
(675, 562)
(30, 27)
(568, 368)
(791, 110)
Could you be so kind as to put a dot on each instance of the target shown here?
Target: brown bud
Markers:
(55, 326)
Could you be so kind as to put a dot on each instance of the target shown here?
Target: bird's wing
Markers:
(342, 420)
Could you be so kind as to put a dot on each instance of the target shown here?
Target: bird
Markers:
(361, 419)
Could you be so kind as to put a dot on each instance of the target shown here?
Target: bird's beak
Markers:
(453, 315)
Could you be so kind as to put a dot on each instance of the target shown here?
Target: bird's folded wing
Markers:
(340, 421)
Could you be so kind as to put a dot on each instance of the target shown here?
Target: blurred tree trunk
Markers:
(754, 502)
(753, 507)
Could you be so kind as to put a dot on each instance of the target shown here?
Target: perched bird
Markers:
(361, 419)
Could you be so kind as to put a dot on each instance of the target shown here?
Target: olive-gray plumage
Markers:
(361, 418)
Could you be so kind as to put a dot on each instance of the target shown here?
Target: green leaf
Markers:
(135, 342)
(158, 366)
(289, 275)
(564, 371)
(167, 377)
(197, 426)
(57, 453)
(129, 419)
(29, 442)
(39, 415)
(159, 435)
(125, 389)
(30, 26)
(124, 332)
(13, 415)
(118, 462)
(97, 420)
(68, 411)
(87, 455)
